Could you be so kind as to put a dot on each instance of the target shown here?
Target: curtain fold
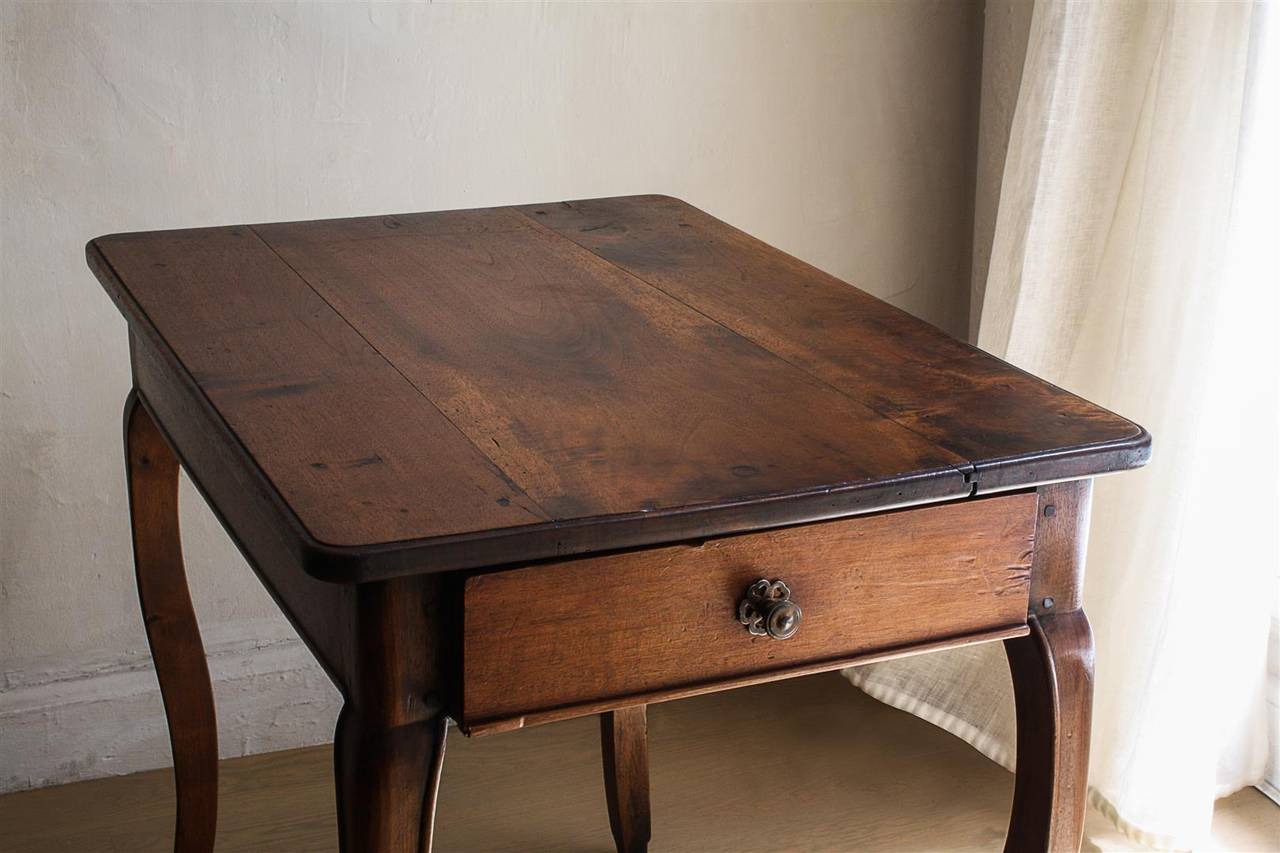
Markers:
(1110, 276)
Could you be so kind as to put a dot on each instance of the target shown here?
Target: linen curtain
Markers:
(1121, 270)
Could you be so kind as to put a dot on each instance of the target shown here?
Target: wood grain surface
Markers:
(1052, 673)
(390, 738)
(1062, 539)
(172, 632)
(597, 393)
(1052, 670)
(1005, 422)
(624, 748)
(436, 391)
(346, 439)
(626, 625)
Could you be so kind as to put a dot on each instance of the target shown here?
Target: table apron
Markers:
(581, 636)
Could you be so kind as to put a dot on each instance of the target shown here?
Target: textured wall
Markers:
(844, 133)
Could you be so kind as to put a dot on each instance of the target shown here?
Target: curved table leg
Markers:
(389, 745)
(172, 631)
(1052, 672)
(388, 778)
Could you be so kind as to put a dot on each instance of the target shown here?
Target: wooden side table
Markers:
(522, 464)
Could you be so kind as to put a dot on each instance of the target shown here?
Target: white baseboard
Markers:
(99, 718)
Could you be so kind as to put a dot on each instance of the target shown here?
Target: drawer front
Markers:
(583, 631)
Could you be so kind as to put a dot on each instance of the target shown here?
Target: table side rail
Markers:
(662, 621)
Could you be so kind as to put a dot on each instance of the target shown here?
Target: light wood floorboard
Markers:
(808, 764)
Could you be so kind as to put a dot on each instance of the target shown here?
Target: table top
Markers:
(455, 389)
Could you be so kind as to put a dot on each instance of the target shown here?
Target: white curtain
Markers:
(1133, 165)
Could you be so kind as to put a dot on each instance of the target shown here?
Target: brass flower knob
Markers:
(769, 611)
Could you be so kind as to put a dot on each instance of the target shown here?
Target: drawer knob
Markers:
(769, 611)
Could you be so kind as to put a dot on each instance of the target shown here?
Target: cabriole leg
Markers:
(387, 779)
(1052, 672)
(172, 632)
(390, 740)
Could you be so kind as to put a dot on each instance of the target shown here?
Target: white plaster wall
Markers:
(843, 133)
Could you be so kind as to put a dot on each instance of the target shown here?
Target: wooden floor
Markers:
(809, 764)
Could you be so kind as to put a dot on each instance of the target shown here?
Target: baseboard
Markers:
(98, 718)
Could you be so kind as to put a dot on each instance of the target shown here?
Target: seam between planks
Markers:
(967, 468)
(169, 354)
(971, 468)
(507, 478)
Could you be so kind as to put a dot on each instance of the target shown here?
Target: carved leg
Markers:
(387, 782)
(172, 631)
(1052, 672)
(389, 745)
(624, 743)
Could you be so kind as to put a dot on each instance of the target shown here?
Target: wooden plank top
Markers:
(448, 390)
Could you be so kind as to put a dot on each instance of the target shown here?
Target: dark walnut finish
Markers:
(512, 465)
(1010, 427)
(172, 633)
(574, 398)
